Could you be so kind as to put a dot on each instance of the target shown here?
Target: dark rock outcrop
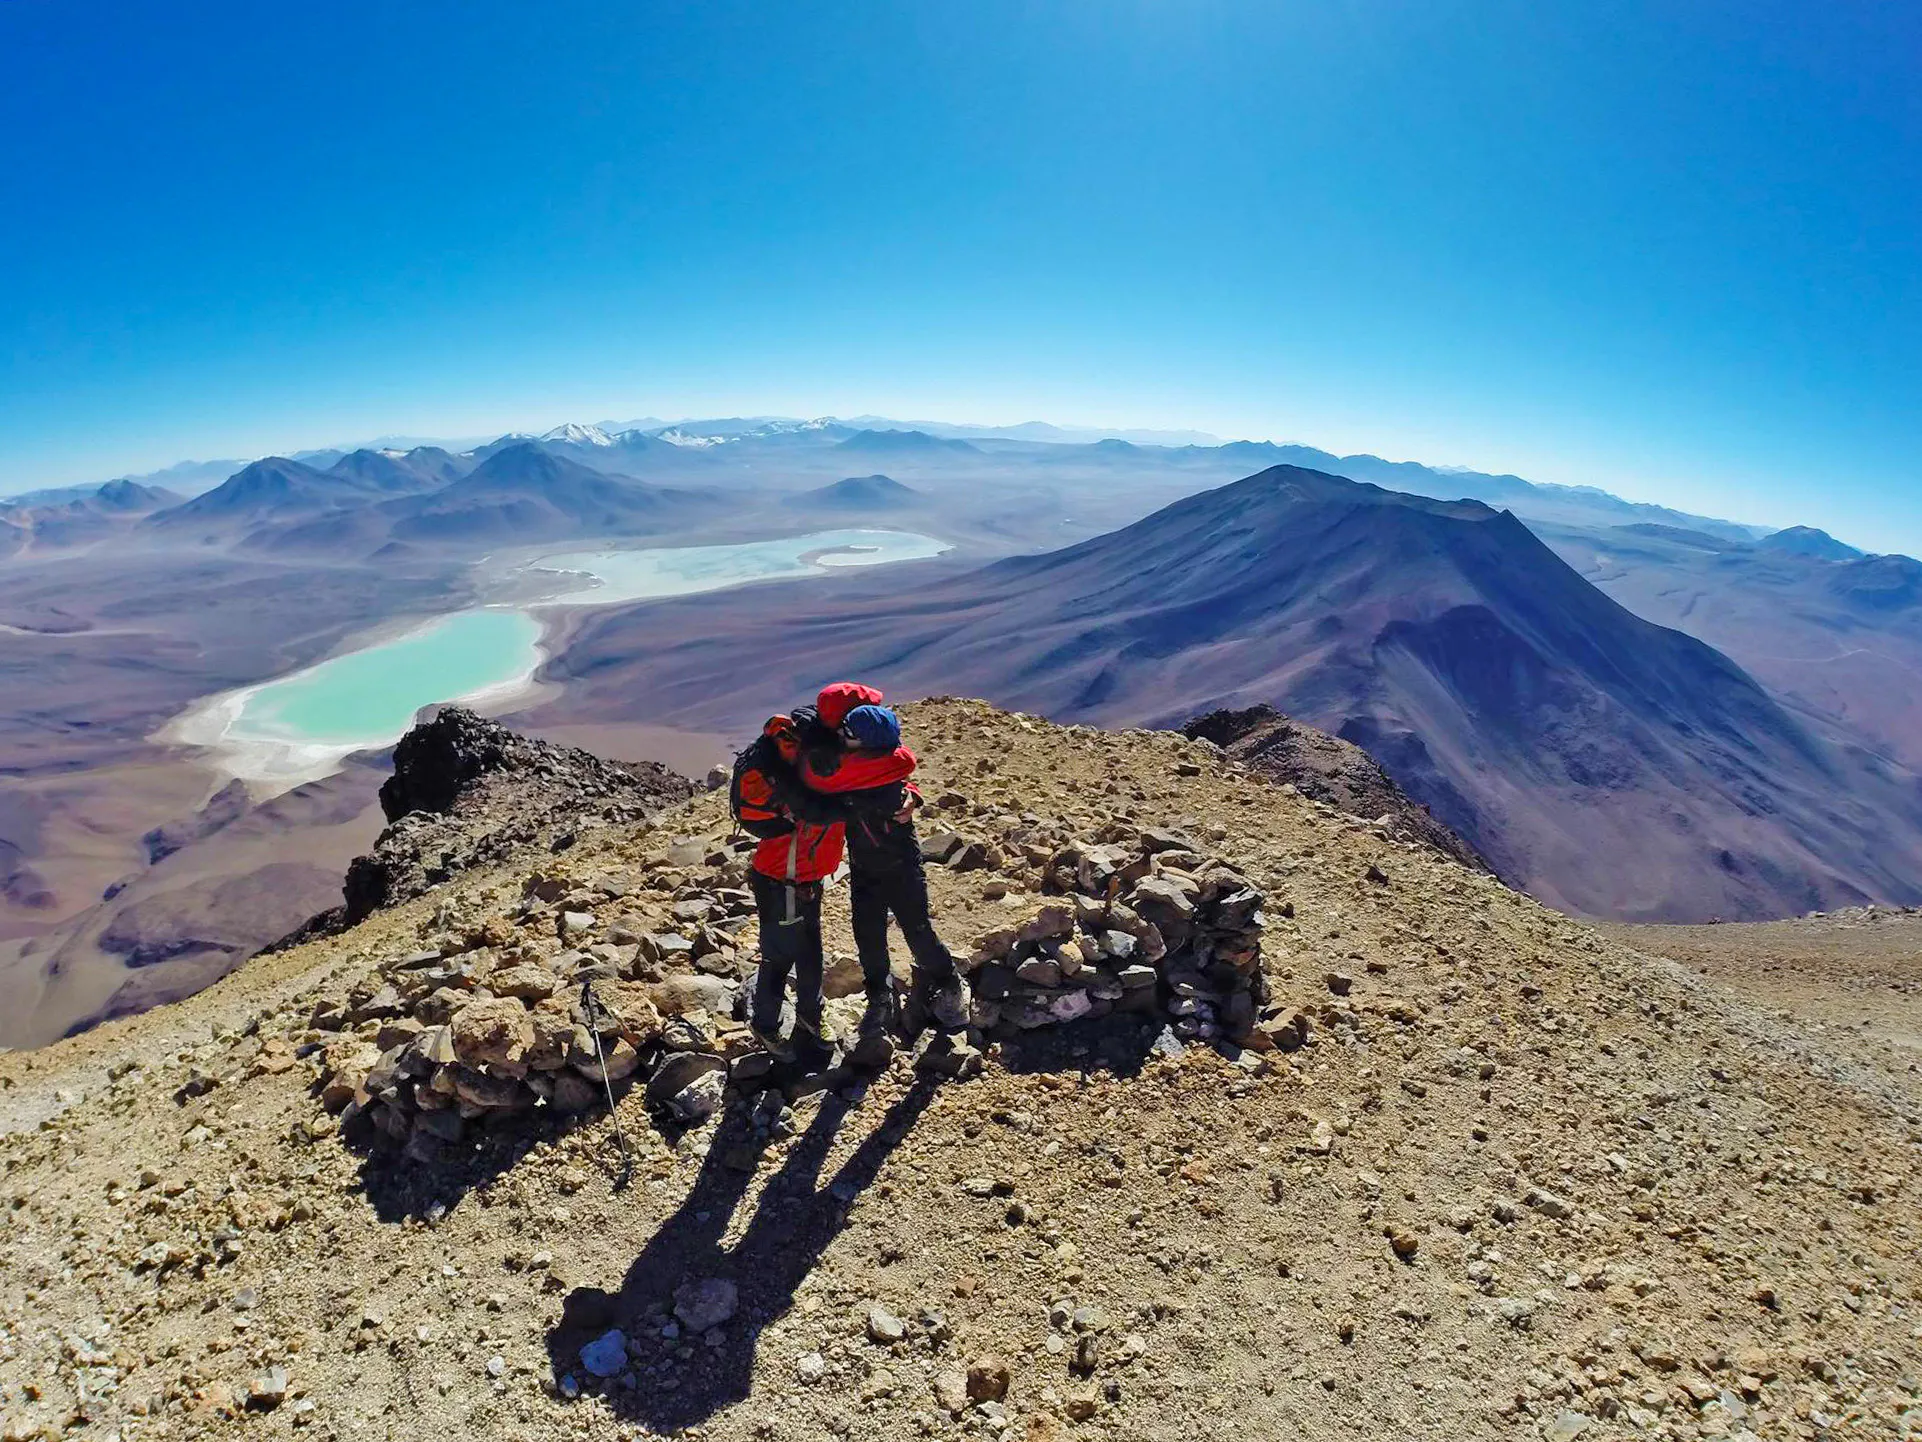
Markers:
(467, 792)
(20, 884)
(1328, 769)
(227, 806)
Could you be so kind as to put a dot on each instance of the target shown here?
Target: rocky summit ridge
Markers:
(1385, 1149)
(1326, 768)
(467, 792)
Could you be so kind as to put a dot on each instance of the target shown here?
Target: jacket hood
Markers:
(834, 702)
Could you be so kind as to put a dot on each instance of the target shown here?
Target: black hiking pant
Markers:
(788, 947)
(903, 891)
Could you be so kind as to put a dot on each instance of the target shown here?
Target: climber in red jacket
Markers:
(801, 845)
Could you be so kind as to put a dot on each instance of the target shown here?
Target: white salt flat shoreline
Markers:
(271, 765)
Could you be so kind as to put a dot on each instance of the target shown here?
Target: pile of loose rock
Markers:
(550, 1014)
(1147, 923)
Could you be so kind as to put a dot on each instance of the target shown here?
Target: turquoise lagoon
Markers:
(369, 697)
(300, 726)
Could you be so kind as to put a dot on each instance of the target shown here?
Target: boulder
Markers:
(526, 981)
(1039, 971)
(951, 1391)
(995, 945)
(679, 1071)
(700, 1098)
(434, 1047)
(1156, 839)
(621, 1008)
(691, 1031)
(1070, 1006)
(694, 992)
(489, 1093)
(492, 1031)
(1162, 894)
(1090, 913)
(437, 1008)
(553, 1037)
(688, 853)
(988, 1379)
(941, 845)
(883, 1326)
(616, 1060)
(1046, 922)
(666, 948)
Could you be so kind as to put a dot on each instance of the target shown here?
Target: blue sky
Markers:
(1675, 250)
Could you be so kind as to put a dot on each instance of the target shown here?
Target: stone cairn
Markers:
(1146, 923)
(499, 1025)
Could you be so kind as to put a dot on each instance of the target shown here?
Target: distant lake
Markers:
(301, 725)
(646, 575)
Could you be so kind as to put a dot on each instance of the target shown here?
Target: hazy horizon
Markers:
(1173, 434)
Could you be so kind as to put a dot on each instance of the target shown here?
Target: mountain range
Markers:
(1835, 634)
(691, 446)
(518, 492)
(77, 516)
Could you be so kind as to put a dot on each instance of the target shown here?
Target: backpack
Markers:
(761, 818)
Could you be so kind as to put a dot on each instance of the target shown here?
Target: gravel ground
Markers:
(1528, 1180)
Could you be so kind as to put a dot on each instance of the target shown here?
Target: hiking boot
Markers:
(878, 1019)
(948, 1004)
(771, 1043)
(872, 1052)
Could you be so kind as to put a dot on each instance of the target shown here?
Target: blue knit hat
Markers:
(874, 728)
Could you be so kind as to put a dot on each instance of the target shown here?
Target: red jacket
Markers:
(805, 851)
(813, 851)
(808, 853)
(834, 702)
(861, 770)
(875, 787)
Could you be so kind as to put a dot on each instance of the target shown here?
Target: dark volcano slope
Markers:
(1609, 766)
(1328, 769)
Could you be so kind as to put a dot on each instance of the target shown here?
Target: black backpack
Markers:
(762, 755)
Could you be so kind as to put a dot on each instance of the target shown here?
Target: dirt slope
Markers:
(1853, 977)
(1524, 1182)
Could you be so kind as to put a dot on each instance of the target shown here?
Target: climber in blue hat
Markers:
(886, 876)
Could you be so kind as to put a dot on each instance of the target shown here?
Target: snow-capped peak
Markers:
(784, 427)
(578, 435)
(675, 436)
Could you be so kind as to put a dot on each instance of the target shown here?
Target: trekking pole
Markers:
(592, 1009)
